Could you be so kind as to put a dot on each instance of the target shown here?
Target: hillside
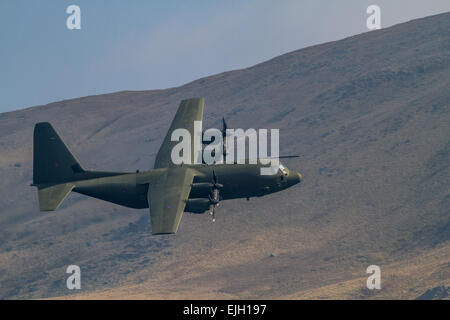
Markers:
(370, 117)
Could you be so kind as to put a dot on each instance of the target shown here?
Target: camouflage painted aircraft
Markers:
(168, 190)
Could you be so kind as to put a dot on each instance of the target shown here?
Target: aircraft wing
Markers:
(190, 110)
(167, 195)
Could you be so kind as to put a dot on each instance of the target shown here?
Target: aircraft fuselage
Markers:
(238, 180)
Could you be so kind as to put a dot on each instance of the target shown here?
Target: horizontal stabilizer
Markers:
(51, 197)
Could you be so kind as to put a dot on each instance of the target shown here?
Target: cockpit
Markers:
(287, 177)
(283, 169)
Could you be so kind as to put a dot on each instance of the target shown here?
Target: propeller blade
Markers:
(212, 211)
(224, 127)
(214, 177)
(214, 196)
(224, 140)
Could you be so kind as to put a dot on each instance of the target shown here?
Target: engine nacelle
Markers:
(198, 205)
(200, 190)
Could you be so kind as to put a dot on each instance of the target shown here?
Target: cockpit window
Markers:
(283, 169)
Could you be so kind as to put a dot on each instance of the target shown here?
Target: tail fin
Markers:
(52, 161)
(53, 167)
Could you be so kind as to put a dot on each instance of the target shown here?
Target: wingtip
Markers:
(41, 124)
(161, 233)
(193, 99)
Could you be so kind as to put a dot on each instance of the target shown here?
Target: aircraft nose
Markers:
(294, 178)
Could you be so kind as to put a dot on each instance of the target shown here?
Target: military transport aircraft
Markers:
(168, 190)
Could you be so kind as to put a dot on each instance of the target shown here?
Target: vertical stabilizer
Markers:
(52, 161)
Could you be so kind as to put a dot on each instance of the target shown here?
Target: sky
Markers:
(144, 44)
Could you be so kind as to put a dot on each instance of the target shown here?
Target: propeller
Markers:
(224, 134)
(224, 127)
(214, 197)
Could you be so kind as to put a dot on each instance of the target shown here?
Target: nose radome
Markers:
(294, 178)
